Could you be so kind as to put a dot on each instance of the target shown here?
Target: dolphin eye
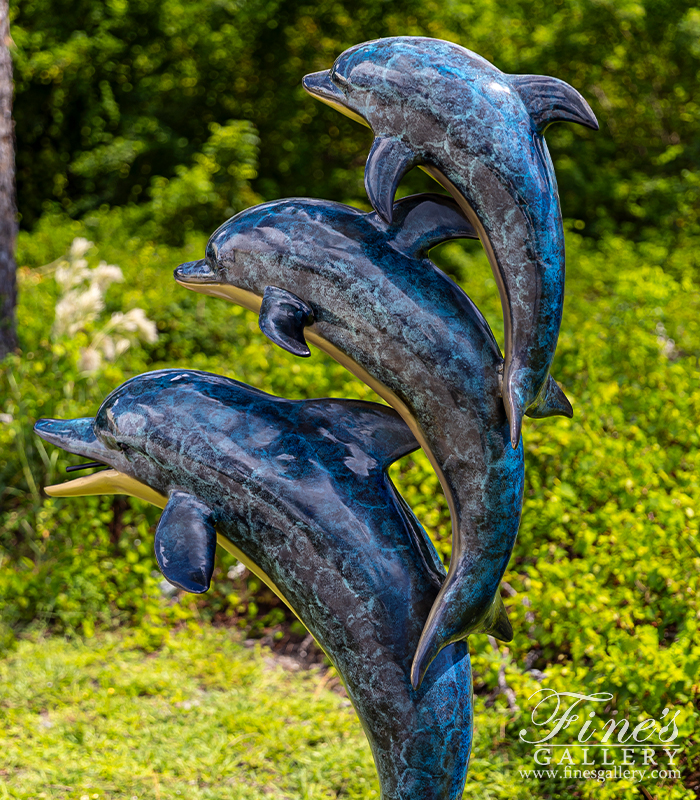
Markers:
(338, 78)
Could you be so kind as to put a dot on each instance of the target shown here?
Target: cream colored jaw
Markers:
(111, 481)
(340, 107)
(108, 481)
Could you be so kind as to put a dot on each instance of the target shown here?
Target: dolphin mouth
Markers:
(78, 436)
(195, 272)
(320, 86)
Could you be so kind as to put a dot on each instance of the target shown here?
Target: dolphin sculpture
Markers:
(299, 492)
(479, 132)
(364, 291)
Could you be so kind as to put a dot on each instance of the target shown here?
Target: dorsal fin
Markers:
(552, 100)
(378, 430)
(425, 220)
(391, 438)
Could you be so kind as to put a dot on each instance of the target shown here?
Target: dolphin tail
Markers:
(388, 161)
(446, 624)
(551, 100)
(551, 403)
(429, 646)
(497, 623)
(514, 412)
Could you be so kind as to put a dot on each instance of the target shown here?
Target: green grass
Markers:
(204, 717)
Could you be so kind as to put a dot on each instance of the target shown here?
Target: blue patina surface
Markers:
(478, 131)
(301, 489)
(364, 290)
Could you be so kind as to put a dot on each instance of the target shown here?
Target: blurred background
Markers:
(142, 125)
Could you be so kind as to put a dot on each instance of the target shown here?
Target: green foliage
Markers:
(153, 122)
(605, 570)
(113, 99)
(214, 188)
(203, 717)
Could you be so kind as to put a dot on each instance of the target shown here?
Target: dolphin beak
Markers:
(74, 435)
(77, 436)
(195, 272)
(320, 86)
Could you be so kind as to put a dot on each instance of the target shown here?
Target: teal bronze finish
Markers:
(300, 488)
(478, 131)
(363, 290)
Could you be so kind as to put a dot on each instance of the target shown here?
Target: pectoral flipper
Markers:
(389, 160)
(283, 317)
(186, 543)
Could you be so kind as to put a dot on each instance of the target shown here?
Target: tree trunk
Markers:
(8, 213)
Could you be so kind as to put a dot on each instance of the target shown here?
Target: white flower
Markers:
(104, 274)
(79, 247)
(71, 273)
(90, 360)
(75, 309)
(235, 571)
(121, 347)
(107, 347)
(135, 321)
(82, 302)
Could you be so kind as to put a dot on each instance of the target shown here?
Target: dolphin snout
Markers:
(319, 84)
(66, 433)
(73, 435)
(195, 272)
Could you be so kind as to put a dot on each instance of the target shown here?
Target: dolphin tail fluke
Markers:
(551, 100)
(388, 161)
(448, 622)
(445, 624)
(552, 403)
(428, 648)
(514, 412)
(497, 623)
(283, 317)
(185, 543)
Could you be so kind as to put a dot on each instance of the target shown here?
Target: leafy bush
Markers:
(115, 98)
